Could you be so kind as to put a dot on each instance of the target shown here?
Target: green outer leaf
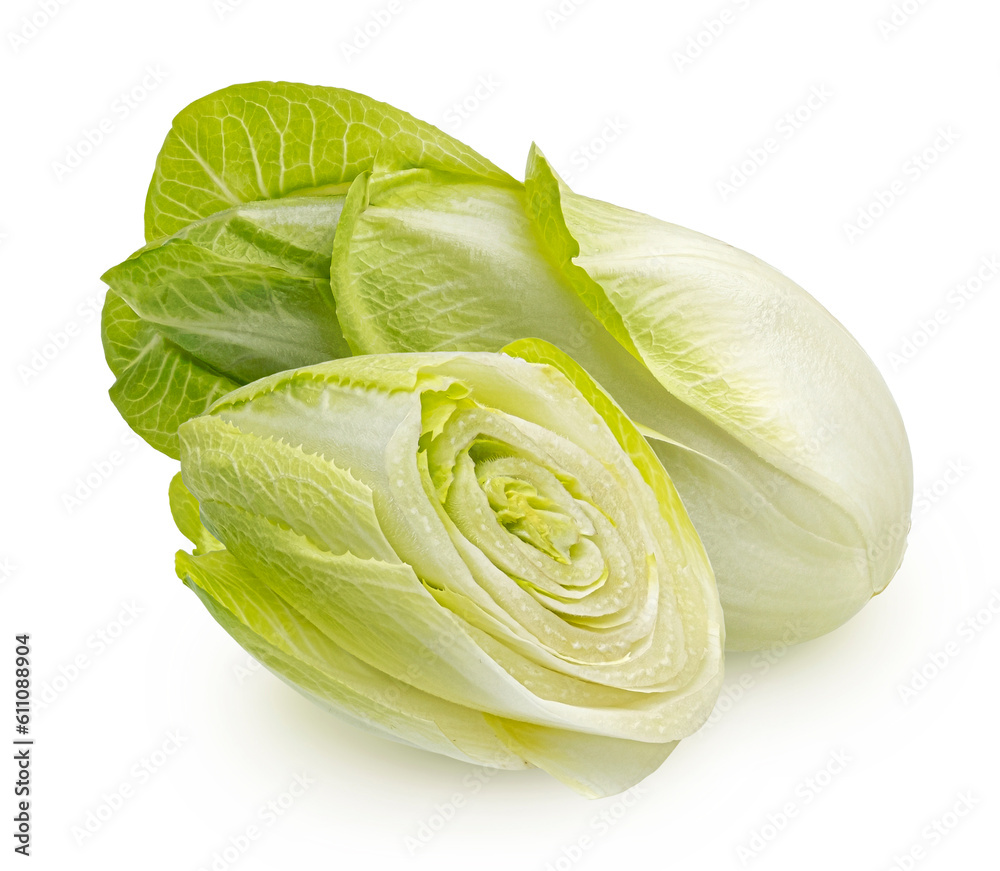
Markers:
(159, 386)
(293, 233)
(264, 140)
(542, 187)
(123, 333)
(244, 320)
(238, 295)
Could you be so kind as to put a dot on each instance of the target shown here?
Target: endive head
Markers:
(781, 434)
(473, 553)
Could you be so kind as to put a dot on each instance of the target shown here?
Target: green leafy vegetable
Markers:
(471, 553)
(234, 282)
(288, 225)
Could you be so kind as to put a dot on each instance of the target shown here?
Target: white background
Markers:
(601, 76)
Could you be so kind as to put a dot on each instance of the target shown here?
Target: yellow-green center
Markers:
(531, 516)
